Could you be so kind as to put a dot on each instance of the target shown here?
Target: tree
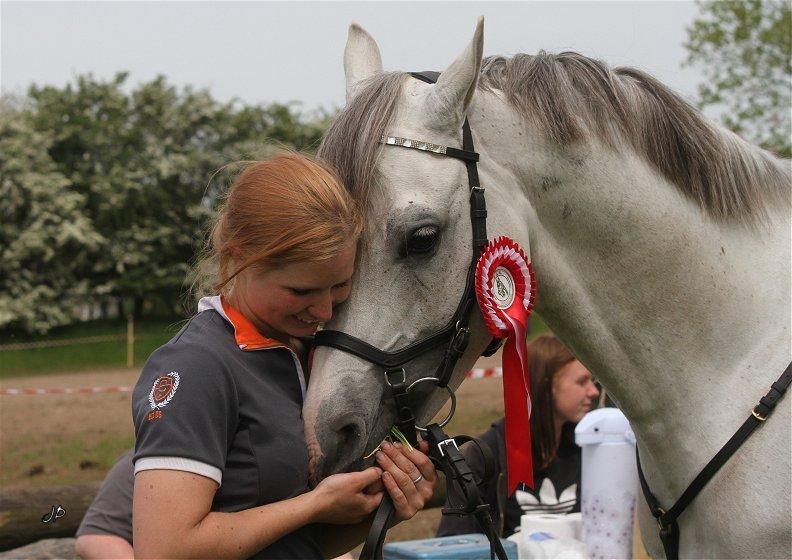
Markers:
(45, 236)
(745, 48)
(142, 162)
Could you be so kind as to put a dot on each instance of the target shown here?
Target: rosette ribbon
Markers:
(506, 291)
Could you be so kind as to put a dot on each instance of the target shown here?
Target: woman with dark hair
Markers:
(562, 392)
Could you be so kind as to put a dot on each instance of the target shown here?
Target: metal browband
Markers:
(464, 155)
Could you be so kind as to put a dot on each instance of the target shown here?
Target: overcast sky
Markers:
(292, 51)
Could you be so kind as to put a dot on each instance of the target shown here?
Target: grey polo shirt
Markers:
(222, 401)
(111, 510)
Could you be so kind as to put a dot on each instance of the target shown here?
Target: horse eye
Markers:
(420, 241)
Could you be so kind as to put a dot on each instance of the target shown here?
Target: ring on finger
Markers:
(419, 479)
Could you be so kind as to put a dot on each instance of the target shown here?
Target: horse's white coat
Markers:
(686, 321)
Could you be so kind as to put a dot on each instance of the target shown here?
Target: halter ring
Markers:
(400, 370)
(450, 393)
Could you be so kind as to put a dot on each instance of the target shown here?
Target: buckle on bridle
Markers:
(758, 416)
(460, 340)
(445, 442)
(659, 517)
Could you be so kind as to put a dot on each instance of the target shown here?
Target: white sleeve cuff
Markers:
(179, 464)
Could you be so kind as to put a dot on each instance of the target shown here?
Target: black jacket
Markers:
(557, 488)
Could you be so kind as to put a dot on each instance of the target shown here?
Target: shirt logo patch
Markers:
(161, 393)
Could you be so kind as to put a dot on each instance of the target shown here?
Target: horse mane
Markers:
(573, 98)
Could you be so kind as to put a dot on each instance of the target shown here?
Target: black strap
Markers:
(667, 520)
(386, 360)
(372, 548)
(444, 451)
(428, 76)
(488, 460)
(405, 419)
(669, 528)
(467, 156)
(478, 221)
(493, 347)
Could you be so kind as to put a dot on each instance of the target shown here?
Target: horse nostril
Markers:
(342, 441)
(348, 435)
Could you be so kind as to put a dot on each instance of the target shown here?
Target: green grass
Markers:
(149, 335)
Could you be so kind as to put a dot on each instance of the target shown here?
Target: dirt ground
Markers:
(45, 438)
(63, 439)
(68, 439)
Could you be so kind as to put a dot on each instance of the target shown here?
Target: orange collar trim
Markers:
(247, 336)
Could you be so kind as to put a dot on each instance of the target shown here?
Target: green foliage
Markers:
(150, 334)
(117, 188)
(45, 236)
(745, 50)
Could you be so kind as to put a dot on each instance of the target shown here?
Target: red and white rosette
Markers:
(506, 291)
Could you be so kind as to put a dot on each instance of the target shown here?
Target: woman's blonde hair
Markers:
(289, 208)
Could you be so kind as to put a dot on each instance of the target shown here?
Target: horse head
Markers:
(415, 252)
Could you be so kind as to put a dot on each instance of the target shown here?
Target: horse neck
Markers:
(684, 320)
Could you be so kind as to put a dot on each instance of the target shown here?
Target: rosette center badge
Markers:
(504, 291)
(505, 286)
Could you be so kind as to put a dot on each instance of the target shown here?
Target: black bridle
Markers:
(455, 335)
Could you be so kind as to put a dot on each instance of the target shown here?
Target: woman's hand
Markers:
(409, 477)
(347, 498)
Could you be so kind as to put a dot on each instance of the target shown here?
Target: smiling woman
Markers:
(296, 297)
(220, 461)
(285, 253)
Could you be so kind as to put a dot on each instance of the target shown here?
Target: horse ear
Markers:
(450, 97)
(361, 59)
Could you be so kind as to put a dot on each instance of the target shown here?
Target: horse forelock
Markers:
(573, 98)
(352, 143)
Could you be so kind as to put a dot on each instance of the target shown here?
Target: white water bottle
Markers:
(609, 482)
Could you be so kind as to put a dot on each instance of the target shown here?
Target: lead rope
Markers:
(667, 520)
